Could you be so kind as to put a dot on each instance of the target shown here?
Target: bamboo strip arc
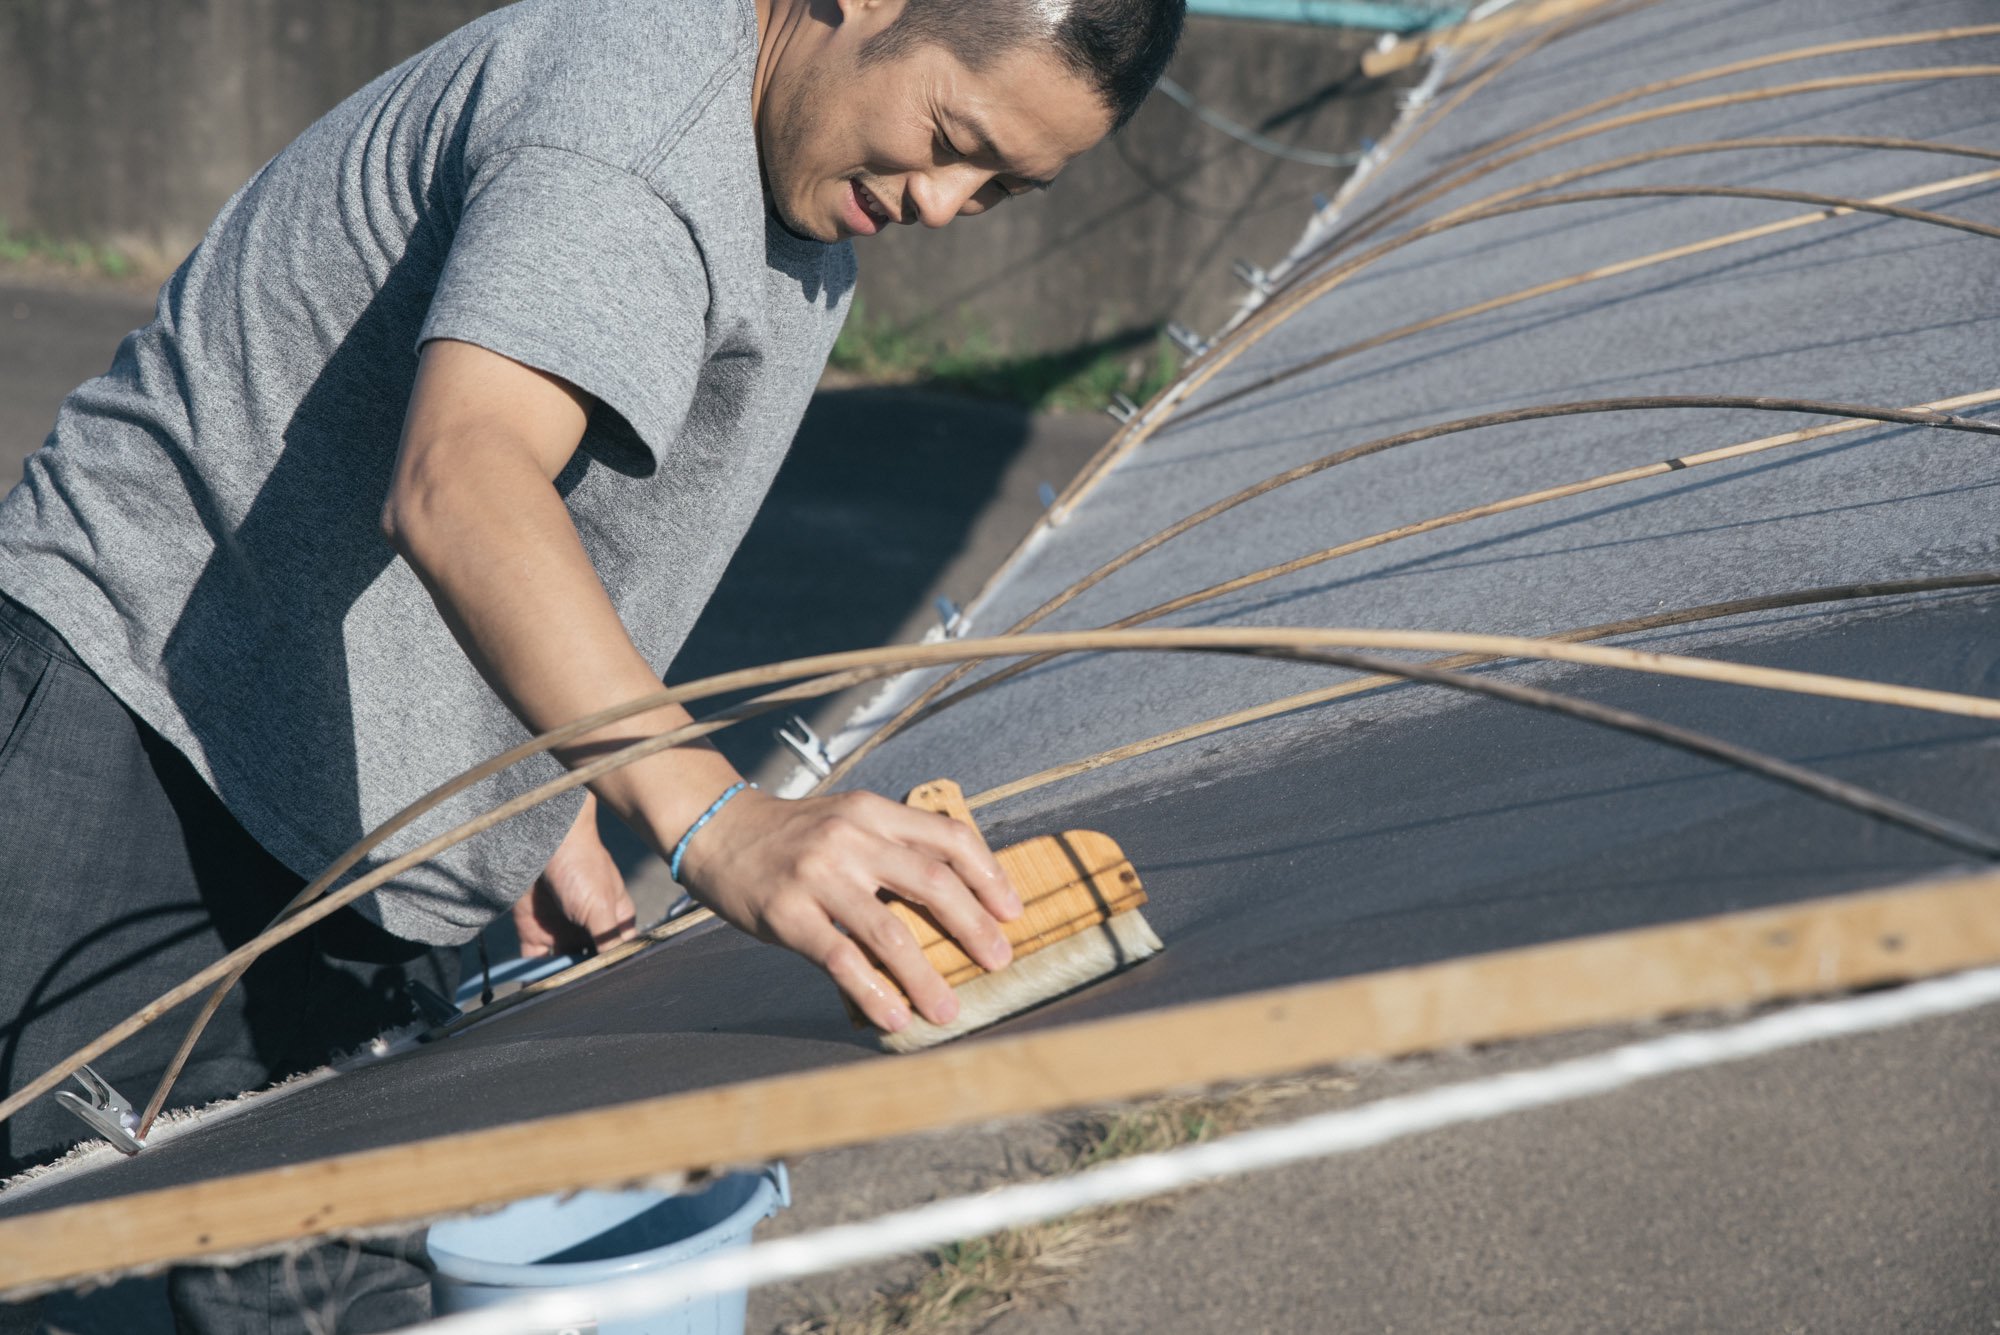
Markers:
(929, 702)
(1631, 625)
(832, 667)
(1288, 302)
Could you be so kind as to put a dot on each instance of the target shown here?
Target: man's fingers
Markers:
(868, 921)
(535, 937)
(952, 842)
(817, 939)
(621, 929)
(922, 879)
(609, 914)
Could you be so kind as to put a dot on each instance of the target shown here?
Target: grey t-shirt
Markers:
(572, 183)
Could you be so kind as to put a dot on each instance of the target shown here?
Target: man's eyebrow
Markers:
(983, 140)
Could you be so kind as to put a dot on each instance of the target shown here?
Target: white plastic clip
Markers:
(806, 745)
(1253, 276)
(1121, 408)
(1191, 343)
(433, 1007)
(106, 1112)
(951, 619)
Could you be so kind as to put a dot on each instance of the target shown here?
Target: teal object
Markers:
(1381, 14)
(593, 1236)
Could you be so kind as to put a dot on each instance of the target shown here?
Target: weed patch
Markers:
(1138, 363)
(32, 250)
(968, 1284)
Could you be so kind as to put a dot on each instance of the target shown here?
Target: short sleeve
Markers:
(579, 269)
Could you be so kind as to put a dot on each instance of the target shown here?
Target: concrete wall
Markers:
(1145, 227)
(130, 121)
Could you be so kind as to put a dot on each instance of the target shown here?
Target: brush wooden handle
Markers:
(943, 796)
(1068, 883)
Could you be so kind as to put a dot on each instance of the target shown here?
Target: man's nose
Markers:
(941, 195)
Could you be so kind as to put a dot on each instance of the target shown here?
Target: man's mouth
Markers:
(868, 210)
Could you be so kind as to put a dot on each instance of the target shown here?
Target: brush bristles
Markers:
(1121, 940)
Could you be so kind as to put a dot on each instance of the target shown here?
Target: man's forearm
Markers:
(474, 510)
(478, 519)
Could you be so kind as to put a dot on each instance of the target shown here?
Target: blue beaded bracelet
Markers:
(681, 848)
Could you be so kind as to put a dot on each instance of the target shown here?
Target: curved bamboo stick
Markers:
(928, 701)
(1826, 206)
(1160, 408)
(1417, 193)
(347, 861)
(1606, 630)
(1893, 811)
(311, 892)
(1272, 709)
(1459, 94)
(1291, 704)
(397, 823)
(829, 667)
(1482, 209)
(1885, 143)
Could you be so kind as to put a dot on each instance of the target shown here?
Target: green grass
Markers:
(34, 250)
(1138, 363)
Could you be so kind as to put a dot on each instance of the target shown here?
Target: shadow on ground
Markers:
(892, 498)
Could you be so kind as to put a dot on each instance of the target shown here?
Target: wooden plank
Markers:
(1736, 959)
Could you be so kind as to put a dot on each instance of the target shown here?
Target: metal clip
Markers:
(1191, 343)
(106, 1112)
(1253, 275)
(430, 1003)
(1121, 408)
(806, 745)
(951, 619)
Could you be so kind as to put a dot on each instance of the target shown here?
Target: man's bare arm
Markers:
(474, 511)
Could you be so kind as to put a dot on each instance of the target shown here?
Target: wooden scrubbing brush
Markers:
(1080, 922)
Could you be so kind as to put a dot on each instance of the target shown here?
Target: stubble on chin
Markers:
(787, 148)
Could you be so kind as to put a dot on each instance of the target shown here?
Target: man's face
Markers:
(850, 147)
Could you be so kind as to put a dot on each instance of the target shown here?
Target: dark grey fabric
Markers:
(341, 1289)
(120, 875)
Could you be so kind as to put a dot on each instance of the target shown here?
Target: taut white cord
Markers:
(1327, 1134)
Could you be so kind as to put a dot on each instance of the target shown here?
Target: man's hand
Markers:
(808, 874)
(474, 510)
(579, 902)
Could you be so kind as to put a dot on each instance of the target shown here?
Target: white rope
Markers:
(1320, 1136)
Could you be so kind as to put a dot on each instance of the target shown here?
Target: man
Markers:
(443, 436)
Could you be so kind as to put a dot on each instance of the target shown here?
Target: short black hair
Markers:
(1121, 46)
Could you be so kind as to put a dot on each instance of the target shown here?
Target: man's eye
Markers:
(948, 148)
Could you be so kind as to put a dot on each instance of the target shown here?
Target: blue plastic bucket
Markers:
(592, 1236)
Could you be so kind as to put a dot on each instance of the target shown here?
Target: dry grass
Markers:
(968, 1284)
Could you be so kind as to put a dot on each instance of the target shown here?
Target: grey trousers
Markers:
(121, 874)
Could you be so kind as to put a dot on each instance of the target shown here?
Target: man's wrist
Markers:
(679, 853)
(710, 849)
(662, 797)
